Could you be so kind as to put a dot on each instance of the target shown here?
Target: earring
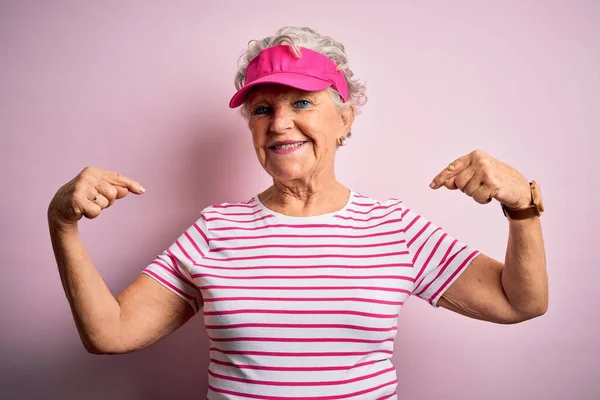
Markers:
(341, 141)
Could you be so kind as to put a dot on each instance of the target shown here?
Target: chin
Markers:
(288, 173)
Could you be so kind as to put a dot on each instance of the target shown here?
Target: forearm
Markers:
(95, 310)
(524, 277)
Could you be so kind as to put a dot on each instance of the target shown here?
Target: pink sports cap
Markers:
(312, 72)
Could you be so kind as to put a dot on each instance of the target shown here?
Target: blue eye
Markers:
(302, 104)
(260, 110)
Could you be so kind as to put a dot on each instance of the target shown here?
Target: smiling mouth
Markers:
(286, 146)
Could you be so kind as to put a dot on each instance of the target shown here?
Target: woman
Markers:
(301, 285)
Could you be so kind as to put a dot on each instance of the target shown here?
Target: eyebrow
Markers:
(264, 98)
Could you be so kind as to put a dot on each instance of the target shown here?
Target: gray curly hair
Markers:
(308, 38)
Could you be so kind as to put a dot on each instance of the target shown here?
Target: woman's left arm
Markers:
(488, 289)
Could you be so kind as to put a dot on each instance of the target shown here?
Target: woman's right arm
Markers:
(145, 311)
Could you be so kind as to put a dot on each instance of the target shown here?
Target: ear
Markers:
(348, 119)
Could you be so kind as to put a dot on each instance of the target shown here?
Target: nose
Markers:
(281, 120)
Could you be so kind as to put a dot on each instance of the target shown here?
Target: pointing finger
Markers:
(453, 169)
(118, 179)
(450, 183)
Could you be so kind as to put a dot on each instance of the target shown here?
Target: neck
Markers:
(306, 200)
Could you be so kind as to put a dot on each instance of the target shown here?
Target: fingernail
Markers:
(432, 184)
(142, 189)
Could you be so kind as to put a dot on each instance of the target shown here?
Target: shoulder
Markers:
(231, 208)
(240, 214)
(369, 203)
(365, 205)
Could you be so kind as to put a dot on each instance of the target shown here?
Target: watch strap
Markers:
(524, 213)
(534, 210)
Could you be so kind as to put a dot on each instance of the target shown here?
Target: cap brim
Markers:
(297, 81)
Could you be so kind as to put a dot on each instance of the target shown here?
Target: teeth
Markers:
(289, 146)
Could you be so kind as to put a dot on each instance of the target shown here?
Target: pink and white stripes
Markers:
(306, 308)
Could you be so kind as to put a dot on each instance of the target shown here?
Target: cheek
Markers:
(258, 142)
(259, 149)
(324, 137)
(322, 126)
(259, 136)
(315, 128)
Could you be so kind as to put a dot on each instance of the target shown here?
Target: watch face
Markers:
(536, 194)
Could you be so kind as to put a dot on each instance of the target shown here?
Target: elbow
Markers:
(92, 349)
(532, 311)
(542, 308)
(539, 307)
(538, 310)
(92, 346)
(98, 346)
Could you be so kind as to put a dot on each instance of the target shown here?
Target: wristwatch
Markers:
(535, 209)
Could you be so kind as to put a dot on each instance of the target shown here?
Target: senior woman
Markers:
(301, 285)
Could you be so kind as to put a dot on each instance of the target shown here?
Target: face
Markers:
(295, 132)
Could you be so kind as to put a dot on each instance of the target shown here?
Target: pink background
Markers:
(142, 88)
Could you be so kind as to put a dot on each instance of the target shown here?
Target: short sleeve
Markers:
(173, 267)
(438, 258)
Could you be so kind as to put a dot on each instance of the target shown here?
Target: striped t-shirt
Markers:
(307, 307)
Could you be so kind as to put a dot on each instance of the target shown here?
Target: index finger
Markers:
(453, 169)
(118, 179)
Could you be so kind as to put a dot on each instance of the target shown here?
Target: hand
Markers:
(86, 195)
(484, 178)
